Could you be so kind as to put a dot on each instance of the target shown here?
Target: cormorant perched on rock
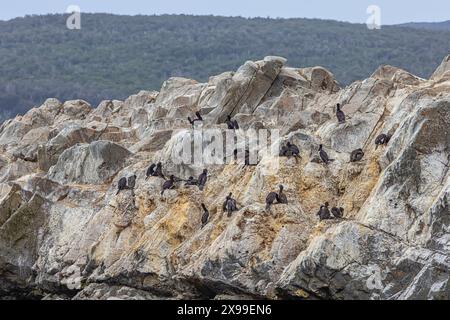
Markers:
(158, 171)
(281, 196)
(324, 213)
(229, 205)
(356, 155)
(292, 150)
(270, 199)
(338, 213)
(131, 183)
(283, 151)
(381, 140)
(150, 171)
(202, 179)
(324, 156)
(340, 114)
(122, 185)
(191, 182)
(205, 215)
(169, 184)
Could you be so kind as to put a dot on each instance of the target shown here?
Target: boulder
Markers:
(94, 163)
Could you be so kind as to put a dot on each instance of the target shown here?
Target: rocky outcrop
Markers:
(65, 233)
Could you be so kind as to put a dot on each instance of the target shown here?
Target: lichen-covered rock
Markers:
(67, 233)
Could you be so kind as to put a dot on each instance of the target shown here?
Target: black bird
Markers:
(281, 196)
(381, 140)
(338, 213)
(324, 213)
(122, 185)
(169, 184)
(340, 114)
(150, 171)
(270, 199)
(191, 182)
(356, 155)
(205, 215)
(131, 182)
(284, 151)
(229, 205)
(202, 179)
(192, 122)
(158, 171)
(292, 150)
(324, 156)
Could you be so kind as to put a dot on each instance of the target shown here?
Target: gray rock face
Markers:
(65, 232)
(94, 163)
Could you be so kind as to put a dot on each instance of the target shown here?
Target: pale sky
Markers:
(392, 11)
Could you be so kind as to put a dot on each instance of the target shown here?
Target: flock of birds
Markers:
(230, 204)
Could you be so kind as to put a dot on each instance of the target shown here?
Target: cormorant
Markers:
(324, 156)
(158, 171)
(381, 140)
(340, 114)
(293, 150)
(131, 182)
(205, 215)
(150, 171)
(202, 179)
(324, 213)
(283, 151)
(230, 205)
(270, 199)
(338, 213)
(281, 196)
(356, 155)
(169, 184)
(122, 184)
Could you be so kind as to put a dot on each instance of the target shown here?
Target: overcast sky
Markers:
(392, 11)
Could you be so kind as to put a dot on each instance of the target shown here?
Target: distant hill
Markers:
(114, 56)
(443, 26)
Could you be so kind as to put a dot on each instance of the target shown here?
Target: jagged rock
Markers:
(443, 71)
(93, 163)
(65, 233)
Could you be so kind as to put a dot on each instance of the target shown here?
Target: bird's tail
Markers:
(162, 192)
(200, 187)
(229, 213)
(376, 148)
(268, 207)
(118, 191)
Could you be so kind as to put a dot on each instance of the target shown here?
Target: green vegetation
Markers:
(115, 56)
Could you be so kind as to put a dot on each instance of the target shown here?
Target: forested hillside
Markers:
(114, 56)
